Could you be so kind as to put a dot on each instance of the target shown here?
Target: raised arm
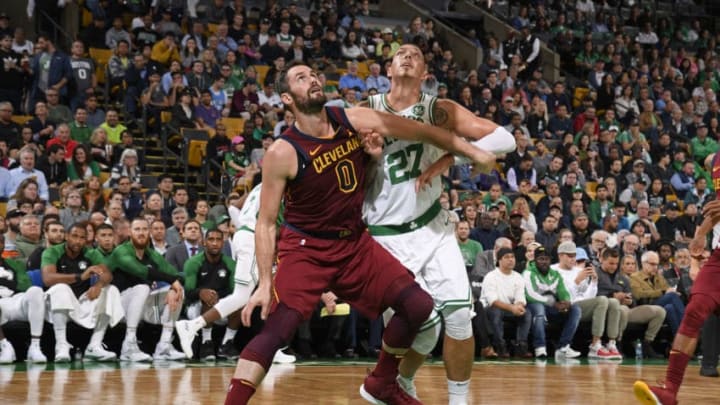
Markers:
(456, 118)
(279, 165)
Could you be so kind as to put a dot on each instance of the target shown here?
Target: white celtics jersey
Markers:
(391, 199)
(246, 217)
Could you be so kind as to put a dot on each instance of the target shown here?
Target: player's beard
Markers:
(310, 105)
(138, 244)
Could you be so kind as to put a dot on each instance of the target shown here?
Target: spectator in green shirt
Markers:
(702, 146)
(80, 131)
(468, 247)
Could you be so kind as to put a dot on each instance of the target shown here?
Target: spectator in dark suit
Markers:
(190, 246)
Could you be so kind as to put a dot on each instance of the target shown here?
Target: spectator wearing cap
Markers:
(636, 191)
(271, 50)
(702, 145)
(503, 293)
(514, 231)
(550, 301)
(683, 181)
(389, 39)
(667, 224)
(650, 287)
(169, 20)
(633, 137)
(601, 205)
(183, 113)
(581, 279)
(638, 172)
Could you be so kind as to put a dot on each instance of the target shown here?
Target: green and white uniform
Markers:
(412, 225)
(243, 242)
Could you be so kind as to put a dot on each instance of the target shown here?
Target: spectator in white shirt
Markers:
(581, 280)
(270, 103)
(503, 293)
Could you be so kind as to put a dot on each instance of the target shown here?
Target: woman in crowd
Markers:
(128, 166)
(93, 196)
(82, 166)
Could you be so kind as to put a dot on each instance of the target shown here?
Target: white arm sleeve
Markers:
(499, 142)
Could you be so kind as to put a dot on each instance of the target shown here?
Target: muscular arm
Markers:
(389, 125)
(280, 164)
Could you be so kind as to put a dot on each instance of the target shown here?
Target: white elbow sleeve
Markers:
(499, 142)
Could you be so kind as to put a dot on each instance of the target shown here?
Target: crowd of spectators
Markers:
(615, 162)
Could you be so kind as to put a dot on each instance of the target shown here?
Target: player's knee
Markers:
(35, 294)
(277, 332)
(413, 304)
(696, 313)
(458, 324)
(613, 304)
(428, 335)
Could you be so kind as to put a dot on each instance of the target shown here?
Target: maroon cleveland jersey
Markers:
(326, 197)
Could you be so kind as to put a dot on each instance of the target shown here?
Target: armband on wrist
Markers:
(461, 160)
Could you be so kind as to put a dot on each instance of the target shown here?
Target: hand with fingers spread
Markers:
(261, 297)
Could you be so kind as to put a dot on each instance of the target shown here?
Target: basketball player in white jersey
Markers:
(246, 278)
(414, 228)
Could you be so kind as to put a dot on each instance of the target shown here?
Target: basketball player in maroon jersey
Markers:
(319, 167)
(704, 300)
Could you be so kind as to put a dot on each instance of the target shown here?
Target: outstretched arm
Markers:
(390, 125)
(485, 134)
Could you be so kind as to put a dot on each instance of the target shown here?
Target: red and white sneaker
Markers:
(614, 352)
(599, 352)
(379, 392)
(658, 395)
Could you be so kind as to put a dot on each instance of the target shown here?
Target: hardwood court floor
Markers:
(194, 383)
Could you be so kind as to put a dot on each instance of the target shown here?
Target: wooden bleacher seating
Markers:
(21, 119)
(233, 126)
(101, 58)
(261, 73)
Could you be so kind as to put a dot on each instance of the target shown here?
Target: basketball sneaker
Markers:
(35, 355)
(598, 351)
(207, 351)
(614, 352)
(567, 352)
(7, 352)
(186, 336)
(131, 352)
(228, 351)
(166, 351)
(282, 358)
(62, 353)
(658, 395)
(541, 352)
(379, 392)
(99, 354)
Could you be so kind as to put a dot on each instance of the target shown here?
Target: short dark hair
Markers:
(608, 253)
(54, 148)
(214, 230)
(104, 226)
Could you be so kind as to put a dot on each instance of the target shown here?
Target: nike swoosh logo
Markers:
(315, 151)
(203, 274)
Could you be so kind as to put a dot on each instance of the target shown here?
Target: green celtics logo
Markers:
(419, 110)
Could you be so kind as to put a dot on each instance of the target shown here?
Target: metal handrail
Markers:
(57, 28)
